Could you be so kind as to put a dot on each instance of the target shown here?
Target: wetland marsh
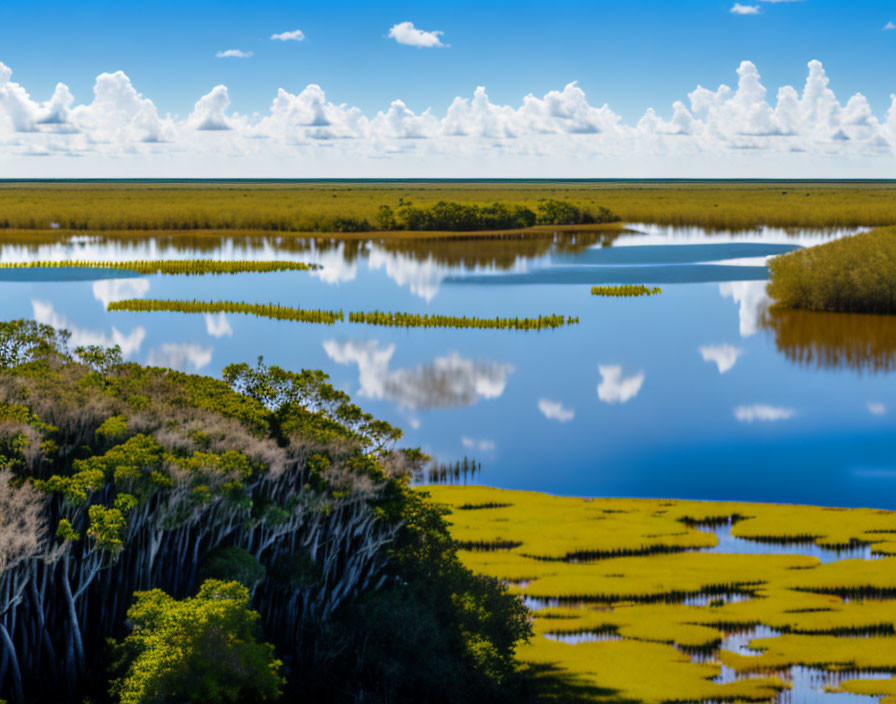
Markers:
(543, 360)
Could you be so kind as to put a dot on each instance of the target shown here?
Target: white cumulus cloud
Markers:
(889, 26)
(723, 356)
(762, 412)
(209, 112)
(616, 388)
(739, 9)
(741, 130)
(233, 54)
(296, 35)
(407, 33)
(554, 410)
(876, 408)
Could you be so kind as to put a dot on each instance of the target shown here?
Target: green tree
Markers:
(201, 650)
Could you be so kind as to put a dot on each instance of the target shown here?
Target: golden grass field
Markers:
(314, 206)
(626, 567)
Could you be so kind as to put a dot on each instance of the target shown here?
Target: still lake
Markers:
(698, 393)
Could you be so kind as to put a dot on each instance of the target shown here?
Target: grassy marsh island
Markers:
(851, 275)
(328, 317)
(171, 267)
(635, 575)
(625, 291)
(415, 320)
(262, 310)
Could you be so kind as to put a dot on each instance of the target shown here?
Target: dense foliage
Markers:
(450, 216)
(851, 275)
(116, 479)
(203, 648)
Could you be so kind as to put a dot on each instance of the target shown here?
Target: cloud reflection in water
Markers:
(447, 382)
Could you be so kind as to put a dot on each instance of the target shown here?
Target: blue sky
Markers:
(630, 55)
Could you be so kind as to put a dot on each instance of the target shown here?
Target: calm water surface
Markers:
(697, 393)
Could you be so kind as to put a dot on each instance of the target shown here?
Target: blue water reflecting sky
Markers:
(682, 395)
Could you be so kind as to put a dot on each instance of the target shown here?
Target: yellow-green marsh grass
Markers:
(311, 207)
(870, 687)
(831, 652)
(415, 320)
(278, 312)
(851, 275)
(628, 576)
(263, 310)
(645, 671)
(625, 291)
(170, 266)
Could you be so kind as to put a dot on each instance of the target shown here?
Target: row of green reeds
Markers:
(264, 310)
(169, 266)
(625, 291)
(328, 317)
(416, 320)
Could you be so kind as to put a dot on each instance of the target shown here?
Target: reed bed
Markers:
(169, 266)
(328, 317)
(625, 291)
(265, 310)
(415, 320)
(342, 207)
(850, 275)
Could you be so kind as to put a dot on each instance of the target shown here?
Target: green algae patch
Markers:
(636, 576)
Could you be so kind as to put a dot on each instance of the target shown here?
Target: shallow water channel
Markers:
(695, 393)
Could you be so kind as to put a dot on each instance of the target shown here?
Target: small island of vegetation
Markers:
(625, 291)
(171, 267)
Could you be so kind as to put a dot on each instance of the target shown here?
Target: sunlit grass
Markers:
(628, 566)
(323, 207)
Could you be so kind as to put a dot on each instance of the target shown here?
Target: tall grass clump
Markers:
(852, 275)
(169, 266)
(625, 291)
(263, 310)
(415, 320)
